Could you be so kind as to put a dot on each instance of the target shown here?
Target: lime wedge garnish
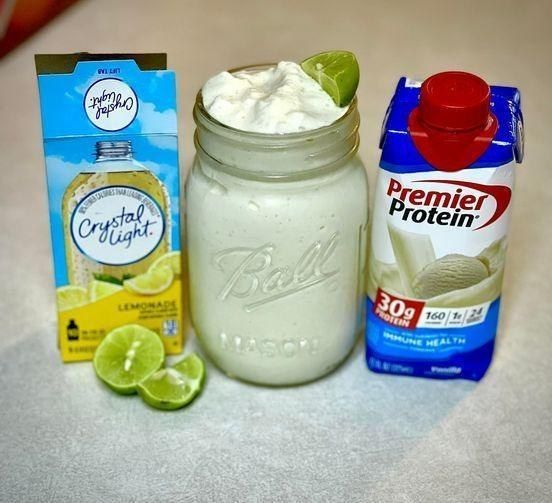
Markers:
(337, 72)
(171, 259)
(152, 282)
(71, 296)
(128, 355)
(98, 289)
(174, 387)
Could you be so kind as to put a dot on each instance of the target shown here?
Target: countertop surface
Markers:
(354, 436)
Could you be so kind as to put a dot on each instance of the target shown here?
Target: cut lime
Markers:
(71, 296)
(171, 259)
(337, 72)
(128, 355)
(174, 387)
(152, 282)
(99, 289)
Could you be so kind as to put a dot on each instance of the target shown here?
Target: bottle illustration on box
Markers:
(114, 217)
(72, 331)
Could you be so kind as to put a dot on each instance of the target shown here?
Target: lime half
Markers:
(337, 72)
(71, 296)
(171, 260)
(174, 387)
(128, 355)
(99, 289)
(152, 282)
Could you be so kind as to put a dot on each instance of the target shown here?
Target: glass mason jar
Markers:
(276, 230)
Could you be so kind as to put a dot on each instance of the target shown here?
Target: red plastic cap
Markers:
(453, 124)
(455, 101)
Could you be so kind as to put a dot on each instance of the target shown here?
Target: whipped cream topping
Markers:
(278, 100)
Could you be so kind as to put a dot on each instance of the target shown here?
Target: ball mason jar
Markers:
(276, 232)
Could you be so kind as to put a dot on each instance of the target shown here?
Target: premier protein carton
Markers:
(110, 146)
(439, 226)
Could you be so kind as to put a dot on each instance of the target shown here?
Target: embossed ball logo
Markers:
(117, 225)
(110, 104)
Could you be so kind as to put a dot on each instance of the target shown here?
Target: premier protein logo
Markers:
(461, 206)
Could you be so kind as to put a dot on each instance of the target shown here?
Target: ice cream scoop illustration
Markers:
(448, 273)
(453, 280)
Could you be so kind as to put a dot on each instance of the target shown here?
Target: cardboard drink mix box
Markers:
(109, 125)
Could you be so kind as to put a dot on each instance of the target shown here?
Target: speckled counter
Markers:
(354, 436)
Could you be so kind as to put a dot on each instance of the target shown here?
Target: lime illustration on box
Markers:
(110, 143)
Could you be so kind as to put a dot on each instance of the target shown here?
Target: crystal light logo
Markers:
(117, 225)
(460, 208)
(110, 104)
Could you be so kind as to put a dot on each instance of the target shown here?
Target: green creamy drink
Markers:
(277, 206)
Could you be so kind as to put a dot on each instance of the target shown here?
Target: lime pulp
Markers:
(174, 387)
(337, 72)
(128, 355)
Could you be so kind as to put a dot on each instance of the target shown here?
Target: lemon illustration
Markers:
(71, 296)
(152, 282)
(99, 289)
(171, 259)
